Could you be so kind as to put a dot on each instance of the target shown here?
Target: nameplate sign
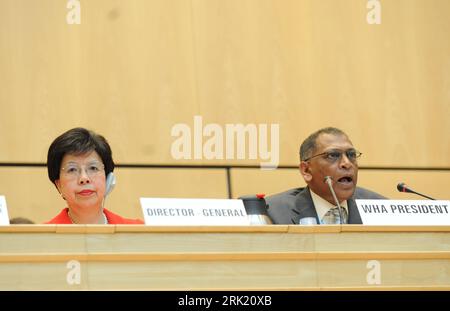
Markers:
(193, 212)
(404, 212)
(4, 218)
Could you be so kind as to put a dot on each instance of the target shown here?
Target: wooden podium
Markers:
(134, 257)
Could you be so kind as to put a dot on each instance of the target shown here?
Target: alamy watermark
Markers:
(73, 276)
(373, 277)
(229, 142)
(74, 14)
(374, 15)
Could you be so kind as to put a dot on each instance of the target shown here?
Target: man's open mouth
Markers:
(345, 180)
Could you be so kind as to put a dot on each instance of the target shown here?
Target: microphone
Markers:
(328, 181)
(402, 187)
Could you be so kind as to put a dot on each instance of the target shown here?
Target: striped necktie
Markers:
(332, 216)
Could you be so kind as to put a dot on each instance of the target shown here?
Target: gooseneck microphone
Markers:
(329, 181)
(402, 187)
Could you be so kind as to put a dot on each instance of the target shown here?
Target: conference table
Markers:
(272, 257)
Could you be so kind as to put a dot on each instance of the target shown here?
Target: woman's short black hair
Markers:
(77, 141)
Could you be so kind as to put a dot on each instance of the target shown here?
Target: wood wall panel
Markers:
(165, 183)
(252, 181)
(133, 69)
(435, 184)
(126, 71)
(29, 193)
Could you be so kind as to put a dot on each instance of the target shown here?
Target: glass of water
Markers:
(308, 221)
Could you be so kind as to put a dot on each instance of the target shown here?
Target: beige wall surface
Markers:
(132, 70)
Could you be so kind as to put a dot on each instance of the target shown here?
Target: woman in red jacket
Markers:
(78, 162)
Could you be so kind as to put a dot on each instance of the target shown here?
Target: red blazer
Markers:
(113, 219)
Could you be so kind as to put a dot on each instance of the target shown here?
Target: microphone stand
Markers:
(328, 181)
(404, 188)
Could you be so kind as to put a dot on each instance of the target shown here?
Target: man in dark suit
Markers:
(326, 152)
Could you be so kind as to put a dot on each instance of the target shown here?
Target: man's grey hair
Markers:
(309, 145)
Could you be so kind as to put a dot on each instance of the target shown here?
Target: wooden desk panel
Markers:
(220, 258)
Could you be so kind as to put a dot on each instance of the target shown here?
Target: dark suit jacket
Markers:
(290, 206)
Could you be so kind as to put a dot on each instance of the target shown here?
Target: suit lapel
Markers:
(304, 207)
(353, 213)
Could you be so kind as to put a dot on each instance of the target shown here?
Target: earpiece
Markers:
(110, 183)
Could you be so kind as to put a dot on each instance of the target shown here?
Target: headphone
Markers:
(110, 183)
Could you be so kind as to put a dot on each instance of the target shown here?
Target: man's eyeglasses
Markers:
(336, 155)
(73, 171)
